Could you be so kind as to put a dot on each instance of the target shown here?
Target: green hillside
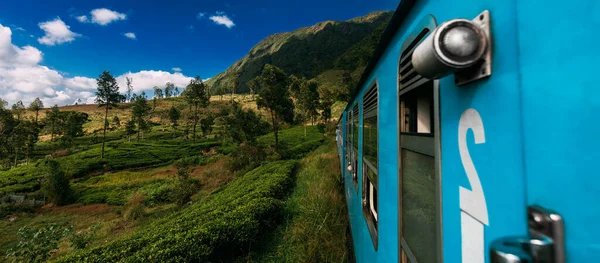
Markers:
(310, 52)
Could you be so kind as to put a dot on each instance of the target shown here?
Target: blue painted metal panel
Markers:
(538, 116)
(558, 44)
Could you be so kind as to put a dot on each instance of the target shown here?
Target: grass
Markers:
(315, 223)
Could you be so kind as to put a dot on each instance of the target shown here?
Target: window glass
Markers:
(419, 218)
(370, 139)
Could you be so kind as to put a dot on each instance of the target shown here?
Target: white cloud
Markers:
(222, 20)
(82, 19)
(20, 29)
(23, 78)
(220, 13)
(145, 80)
(103, 16)
(176, 69)
(200, 15)
(80, 83)
(129, 35)
(57, 32)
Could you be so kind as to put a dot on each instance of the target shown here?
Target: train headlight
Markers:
(458, 45)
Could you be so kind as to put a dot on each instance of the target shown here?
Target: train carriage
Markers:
(472, 135)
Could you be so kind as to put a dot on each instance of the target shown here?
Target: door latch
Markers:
(545, 243)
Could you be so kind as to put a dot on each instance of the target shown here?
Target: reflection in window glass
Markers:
(418, 205)
(370, 139)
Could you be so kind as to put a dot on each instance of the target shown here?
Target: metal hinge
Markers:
(545, 243)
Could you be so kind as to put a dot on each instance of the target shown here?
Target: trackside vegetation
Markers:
(222, 226)
(315, 216)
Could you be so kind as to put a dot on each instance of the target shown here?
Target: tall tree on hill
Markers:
(52, 117)
(174, 115)
(33, 131)
(129, 82)
(234, 84)
(158, 92)
(7, 125)
(275, 97)
(18, 109)
(36, 106)
(308, 101)
(328, 97)
(107, 96)
(139, 111)
(176, 91)
(197, 96)
(253, 86)
(169, 89)
(130, 129)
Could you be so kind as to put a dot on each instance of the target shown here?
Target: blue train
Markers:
(473, 135)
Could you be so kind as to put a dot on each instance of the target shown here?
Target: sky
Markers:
(55, 49)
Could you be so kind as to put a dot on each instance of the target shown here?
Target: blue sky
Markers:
(150, 40)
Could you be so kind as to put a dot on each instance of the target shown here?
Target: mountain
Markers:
(327, 52)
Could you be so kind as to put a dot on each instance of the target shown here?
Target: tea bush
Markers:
(217, 229)
(119, 156)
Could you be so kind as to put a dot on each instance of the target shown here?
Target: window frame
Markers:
(429, 23)
(371, 219)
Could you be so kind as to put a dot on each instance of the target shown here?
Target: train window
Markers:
(355, 146)
(419, 180)
(369, 183)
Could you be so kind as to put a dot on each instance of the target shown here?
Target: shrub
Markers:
(82, 238)
(321, 127)
(56, 184)
(246, 156)
(218, 229)
(10, 208)
(135, 206)
(185, 186)
(35, 244)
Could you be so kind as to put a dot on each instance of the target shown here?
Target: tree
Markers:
(129, 88)
(32, 132)
(158, 93)
(275, 97)
(18, 109)
(244, 125)
(206, 125)
(107, 96)
(19, 138)
(197, 96)
(169, 89)
(253, 86)
(174, 115)
(235, 83)
(139, 111)
(3, 103)
(56, 183)
(7, 125)
(309, 101)
(116, 121)
(328, 97)
(130, 129)
(72, 126)
(176, 92)
(36, 106)
(52, 117)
